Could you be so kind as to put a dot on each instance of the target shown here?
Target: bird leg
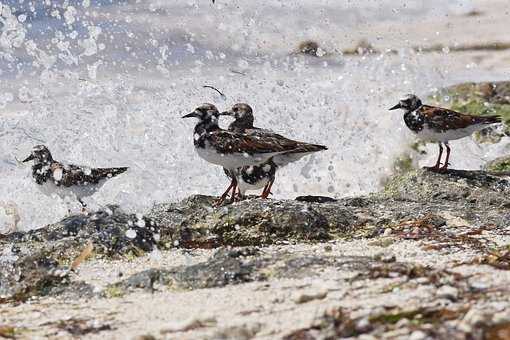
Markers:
(267, 189)
(235, 188)
(239, 196)
(233, 184)
(436, 167)
(444, 168)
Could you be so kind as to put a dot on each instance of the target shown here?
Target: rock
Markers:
(225, 267)
(236, 266)
(190, 324)
(243, 332)
(304, 297)
(310, 47)
(106, 229)
(448, 292)
(418, 335)
(194, 223)
(315, 199)
(457, 187)
(412, 206)
(27, 276)
(499, 165)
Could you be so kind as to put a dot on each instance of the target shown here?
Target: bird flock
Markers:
(251, 156)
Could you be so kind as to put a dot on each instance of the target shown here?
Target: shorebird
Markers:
(263, 175)
(440, 125)
(67, 180)
(233, 150)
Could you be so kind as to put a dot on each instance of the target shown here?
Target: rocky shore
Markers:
(426, 256)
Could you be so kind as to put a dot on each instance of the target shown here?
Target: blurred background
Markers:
(105, 82)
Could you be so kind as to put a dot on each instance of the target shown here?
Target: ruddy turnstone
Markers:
(439, 125)
(263, 175)
(67, 179)
(233, 150)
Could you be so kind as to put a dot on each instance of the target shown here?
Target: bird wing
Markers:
(445, 119)
(69, 174)
(230, 142)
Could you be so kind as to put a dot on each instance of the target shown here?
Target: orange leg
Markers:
(444, 168)
(267, 189)
(232, 186)
(436, 167)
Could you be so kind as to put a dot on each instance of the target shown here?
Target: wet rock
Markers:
(310, 47)
(195, 223)
(315, 199)
(112, 232)
(24, 277)
(416, 205)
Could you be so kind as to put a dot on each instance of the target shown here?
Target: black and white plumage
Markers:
(233, 150)
(67, 180)
(440, 125)
(263, 175)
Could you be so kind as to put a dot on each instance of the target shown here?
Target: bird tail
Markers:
(309, 148)
(118, 171)
(111, 172)
(490, 119)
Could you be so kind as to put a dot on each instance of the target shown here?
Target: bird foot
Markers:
(435, 168)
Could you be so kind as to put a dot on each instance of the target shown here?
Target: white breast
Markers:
(432, 136)
(75, 192)
(232, 160)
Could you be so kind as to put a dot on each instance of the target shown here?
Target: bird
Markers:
(67, 180)
(233, 150)
(440, 125)
(263, 175)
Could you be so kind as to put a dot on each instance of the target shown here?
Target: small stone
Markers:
(190, 324)
(303, 297)
(418, 335)
(363, 325)
(448, 292)
(382, 242)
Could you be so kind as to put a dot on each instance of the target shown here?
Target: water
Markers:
(104, 83)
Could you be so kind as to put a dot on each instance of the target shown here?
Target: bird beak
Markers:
(226, 113)
(193, 114)
(28, 159)
(398, 106)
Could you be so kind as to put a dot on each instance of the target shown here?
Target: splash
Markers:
(104, 83)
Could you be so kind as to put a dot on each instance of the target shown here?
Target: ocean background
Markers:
(104, 83)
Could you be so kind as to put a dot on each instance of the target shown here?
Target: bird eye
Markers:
(236, 109)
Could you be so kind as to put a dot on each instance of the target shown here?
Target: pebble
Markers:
(418, 335)
(303, 297)
(448, 292)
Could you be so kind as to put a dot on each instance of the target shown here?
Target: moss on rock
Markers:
(499, 165)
